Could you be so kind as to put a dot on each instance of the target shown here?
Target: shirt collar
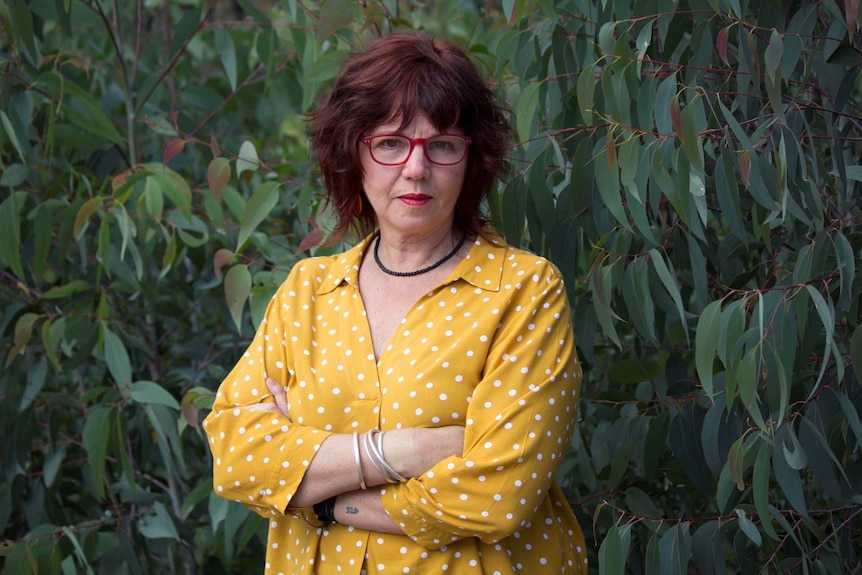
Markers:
(481, 268)
(345, 267)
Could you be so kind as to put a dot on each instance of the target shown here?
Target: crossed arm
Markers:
(332, 472)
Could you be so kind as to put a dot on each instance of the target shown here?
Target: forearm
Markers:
(363, 509)
(343, 464)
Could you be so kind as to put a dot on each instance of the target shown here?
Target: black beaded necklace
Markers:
(427, 269)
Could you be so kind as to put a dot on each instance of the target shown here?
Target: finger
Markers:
(261, 407)
(273, 386)
(279, 395)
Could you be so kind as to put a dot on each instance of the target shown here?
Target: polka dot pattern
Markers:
(490, 349)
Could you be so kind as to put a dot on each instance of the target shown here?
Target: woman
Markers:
(457, 347)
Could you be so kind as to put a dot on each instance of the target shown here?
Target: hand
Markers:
(416, 450)
(279, 396)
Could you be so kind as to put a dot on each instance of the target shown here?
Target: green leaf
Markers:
(267, 48)
(669, 281)
(748, 382)
(187, 225)
(218, 175)
(525, 111)
(222, 258)
(613, 551)
(10, 133)
(50, 340)
(772, 59)
(675, 550)
(256, 14)
(706, 340)
(174, 186)
(736, 462)
(760, 489)
(851, 416)
(334, 15)
(84, 214)
(639, 503)
(64, 13)
(638, 300)
(53, 463)
(217, 510)
(80, 556)
(23, 331)
(146, 392)
(828, 321)
(185, 29)
(727, 191)
(10, 232)
(126, 227)
(608, 182)
(14, 175)
(258, 301)
(600, 277)
(586, 93)
(170, 254)
(509, 10)
(227, 50)
(655, 443)
(35, 382)
(787, 477)
(237, 285)
(95, 437)
(154, 199)
(797, 458)
(116, 358)
(846, 263)
(652, 563)
(201, 491)
(122, 447)
(748, 527)
(247, 160)
(79, 106)
(690, 137)
(724, 489)
(256, 210)
(326, 65)
(157, 524)
(707, 548)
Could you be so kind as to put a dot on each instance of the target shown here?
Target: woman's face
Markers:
(418, 197)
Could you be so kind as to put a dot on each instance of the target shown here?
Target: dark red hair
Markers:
(398, 77)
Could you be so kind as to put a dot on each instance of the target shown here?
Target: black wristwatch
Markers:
(325, 510)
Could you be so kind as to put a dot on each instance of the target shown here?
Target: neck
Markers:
(409, 254)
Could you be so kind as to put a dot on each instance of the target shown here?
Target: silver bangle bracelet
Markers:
(391, 470)
(373, 456)
(358, 461)
(374, 450)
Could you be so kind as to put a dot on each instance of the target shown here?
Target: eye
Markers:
(442, 145)
(389, 143)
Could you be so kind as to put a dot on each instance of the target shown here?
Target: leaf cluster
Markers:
(692, 167)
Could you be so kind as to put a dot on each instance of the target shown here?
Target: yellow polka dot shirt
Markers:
(490, 349)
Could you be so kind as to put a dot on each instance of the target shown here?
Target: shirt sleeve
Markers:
(519, 424)
(250, 448)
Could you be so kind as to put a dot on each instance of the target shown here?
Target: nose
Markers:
(417, 166)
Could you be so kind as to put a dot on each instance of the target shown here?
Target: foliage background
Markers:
(693, 168)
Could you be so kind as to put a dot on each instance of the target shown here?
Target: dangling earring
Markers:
(357, 205)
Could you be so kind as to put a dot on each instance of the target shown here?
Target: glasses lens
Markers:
(393, 150)
(390, 149)
(446, 149)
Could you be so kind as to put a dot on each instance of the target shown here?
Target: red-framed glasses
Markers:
(395, 150)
